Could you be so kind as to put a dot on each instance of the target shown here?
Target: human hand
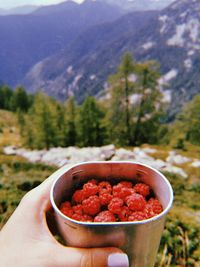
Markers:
(26, 240)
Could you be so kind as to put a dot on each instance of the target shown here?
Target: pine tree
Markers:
(20, 100)
(120, 114)
(70, 137)
(187, 125)
(148, 110)
(43, 122)
(91, 130)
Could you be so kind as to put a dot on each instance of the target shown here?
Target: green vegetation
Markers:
(38, 121)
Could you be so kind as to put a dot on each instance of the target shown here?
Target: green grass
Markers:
(179, 245)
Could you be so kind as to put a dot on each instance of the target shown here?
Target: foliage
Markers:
(186, 128)
(91, 130)
(135, 122)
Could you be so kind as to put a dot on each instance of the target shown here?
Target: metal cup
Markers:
(139, 240)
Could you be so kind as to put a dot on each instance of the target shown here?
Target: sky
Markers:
(14, 3)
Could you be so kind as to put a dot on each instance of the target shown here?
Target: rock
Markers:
(174, 158)
(71, 155)
(149, 150)
(107, 152)
(176, 170)
(123, 154)
(195, 164)
(10, 150)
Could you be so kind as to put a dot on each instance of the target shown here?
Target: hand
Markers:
(26, 240)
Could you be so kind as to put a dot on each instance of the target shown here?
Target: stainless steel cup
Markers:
(140, 240)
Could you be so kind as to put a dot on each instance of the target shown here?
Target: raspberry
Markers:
(123, 214)
(92, 181)
(121, 191)
(137, 216)
(105, 198)
(87, 218)
(78, 196)
(91, 205)
(115, 205)
(136, 202)
(105, 216)
(156, 206)
(126, 184)
(66, 209)
(142, 189)
(105, 187)
(78, 209)
(90, 189)
(77, 217)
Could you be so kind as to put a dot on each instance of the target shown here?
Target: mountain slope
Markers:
(61, 74)
(27, 9)
(172, 38)
(140, 4)
(28, 39)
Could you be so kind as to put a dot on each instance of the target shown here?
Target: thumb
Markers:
(94, 257)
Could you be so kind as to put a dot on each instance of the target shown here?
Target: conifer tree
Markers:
(91, 130)
(70, 123)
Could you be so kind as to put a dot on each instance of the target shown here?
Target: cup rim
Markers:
(66, 168)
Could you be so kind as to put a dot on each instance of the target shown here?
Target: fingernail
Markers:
(118, 260)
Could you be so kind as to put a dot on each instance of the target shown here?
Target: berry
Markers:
(105, 216)
(90, 189)
(78, 196)
(78, 209)
(121, 191)
(124, 214)
(105, 187)
(142, 189)
(136, 202)
(137, 216)
(66, 209)
(115, 205)
(105, 198)
(126, 184)
(91, 205)
(155, 205)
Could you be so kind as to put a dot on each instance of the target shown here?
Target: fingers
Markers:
(95, 257)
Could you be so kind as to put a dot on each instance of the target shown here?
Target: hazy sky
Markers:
(14, 3)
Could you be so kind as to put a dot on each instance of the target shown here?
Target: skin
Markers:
(26, 240)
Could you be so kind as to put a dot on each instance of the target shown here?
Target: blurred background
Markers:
(103, 80)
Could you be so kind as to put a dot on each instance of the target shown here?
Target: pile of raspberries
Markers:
(100, 201)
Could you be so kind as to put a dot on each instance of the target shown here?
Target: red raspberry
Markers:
(121, 191)
(90, 189)
(105, 187)
(91, 205)
(156, 206)
(115, 205)
(66, 209)
(126, 184)
(105, 198)
(77, 217)
(87, 218)
(78, 209)
(105, 216)
(137, 216)
(149, 211)
(142, 189)
(123, 214)
(92, 181)
(136, 202)
(78, 196)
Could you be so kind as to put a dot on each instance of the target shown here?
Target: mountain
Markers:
(140, 4)
(27, 9)
(27, 39)
(171, 36)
